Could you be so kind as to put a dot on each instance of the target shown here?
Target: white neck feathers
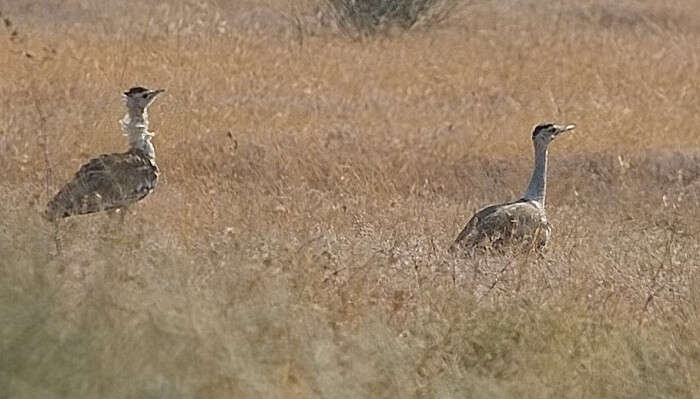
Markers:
(537, 189)
(135, 127)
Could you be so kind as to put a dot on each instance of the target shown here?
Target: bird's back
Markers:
(522, 221)
(107, 182)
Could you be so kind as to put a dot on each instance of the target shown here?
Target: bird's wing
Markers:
(107, 182)
(514, 215)
(477, 227)
(499, 223)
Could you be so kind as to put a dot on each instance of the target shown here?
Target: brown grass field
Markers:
(311, 183)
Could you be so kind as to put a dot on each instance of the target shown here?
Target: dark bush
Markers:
(366, 17)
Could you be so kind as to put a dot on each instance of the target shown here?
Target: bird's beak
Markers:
(564, 128)
(157, 91)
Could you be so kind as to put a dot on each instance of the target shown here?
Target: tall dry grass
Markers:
(295, 246)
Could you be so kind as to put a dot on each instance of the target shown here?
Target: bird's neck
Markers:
(537, 189)
(135, 127)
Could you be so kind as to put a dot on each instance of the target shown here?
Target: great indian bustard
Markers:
(519, 222)
(114, 181)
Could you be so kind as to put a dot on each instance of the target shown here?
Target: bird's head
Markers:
(546, 132)
(139, 98)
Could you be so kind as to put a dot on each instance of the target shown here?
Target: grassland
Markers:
(295, 247)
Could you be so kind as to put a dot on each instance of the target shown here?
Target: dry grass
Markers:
(311, 184)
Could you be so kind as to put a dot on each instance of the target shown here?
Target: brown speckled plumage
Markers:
(110, 181)
(496, 226)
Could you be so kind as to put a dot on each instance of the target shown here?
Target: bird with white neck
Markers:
(113, 182)
(523, 221)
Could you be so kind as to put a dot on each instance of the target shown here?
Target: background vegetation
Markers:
(296, 244)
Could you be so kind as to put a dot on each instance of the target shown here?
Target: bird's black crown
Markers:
(135, 90)
(540, 128)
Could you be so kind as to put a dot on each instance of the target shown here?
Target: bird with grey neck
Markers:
(522, 222)
(113, 182)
